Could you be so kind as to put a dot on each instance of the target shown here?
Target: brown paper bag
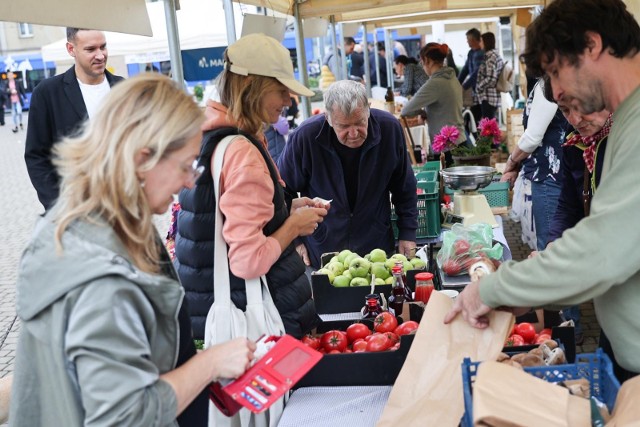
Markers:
(507, 396)
(627, 411)
(428, 390)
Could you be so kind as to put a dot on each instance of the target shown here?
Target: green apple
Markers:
(378, 255)
(359, 267)
(343, 255)
(333, 259)
(388, 281)
(399, 257)
(349, 258)
(336, 267)
(347, 273)
(341, 281)
(359, 281)
(380, 270)
(390, 263)
(328, 272)
(418, 264)
(379, 281)
(368, 257)
(406, 266)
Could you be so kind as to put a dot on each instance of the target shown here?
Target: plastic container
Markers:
(433, 165)
(596, 367)
(428, 212)
(427, 176)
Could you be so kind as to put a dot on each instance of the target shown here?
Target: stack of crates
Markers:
(428, 203)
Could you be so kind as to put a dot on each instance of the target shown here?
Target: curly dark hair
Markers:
(561, 29)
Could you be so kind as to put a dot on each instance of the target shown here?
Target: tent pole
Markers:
(229, 20)
(376, 57)
(334, 44)
(343, 56)
(365, 51)
(388, 57)
(174, 42)
(302, 59)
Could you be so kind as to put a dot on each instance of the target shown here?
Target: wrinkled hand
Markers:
(302, 251)
(302, 202)
(511, 177)
(407, 248)
(473, 310)
(307, 219)
(232, 358)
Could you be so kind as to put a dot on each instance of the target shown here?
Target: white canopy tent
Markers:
(201, 24)
(115, 15)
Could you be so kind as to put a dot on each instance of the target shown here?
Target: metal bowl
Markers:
(467, 178)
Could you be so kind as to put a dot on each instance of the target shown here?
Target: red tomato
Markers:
(379, 343)
(395, 346)
(348, 350)
(406, 328)
(393, 337)
(385, 322)
(542, 338)
(514, 341)
(310, 341)
(368, 337)
(333, 340)
(526, 331)
(547, 331)
(359, 346)
(356, 331)
(334, 352)
(461, 247)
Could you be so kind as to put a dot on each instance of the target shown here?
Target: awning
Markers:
(123, 16)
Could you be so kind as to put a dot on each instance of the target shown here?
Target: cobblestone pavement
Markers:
(18, 213)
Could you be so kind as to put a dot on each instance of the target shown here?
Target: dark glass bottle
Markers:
(389, 95)
(371, 307)
(407, 292)
(397, 298)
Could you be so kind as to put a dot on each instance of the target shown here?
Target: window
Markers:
(26, 30)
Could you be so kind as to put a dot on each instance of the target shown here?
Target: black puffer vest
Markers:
(287, 282)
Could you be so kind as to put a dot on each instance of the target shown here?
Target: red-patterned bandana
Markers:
(589, 144)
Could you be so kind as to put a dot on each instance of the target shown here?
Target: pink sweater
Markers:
(246, 201)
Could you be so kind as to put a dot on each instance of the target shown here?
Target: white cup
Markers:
(451, 293)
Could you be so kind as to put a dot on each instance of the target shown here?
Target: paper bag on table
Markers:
(507, 396)
(428, 390)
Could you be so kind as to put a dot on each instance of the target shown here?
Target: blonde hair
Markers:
(243, 96)
(98, 168)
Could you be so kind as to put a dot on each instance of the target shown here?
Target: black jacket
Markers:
(57, 109)
(194, 250)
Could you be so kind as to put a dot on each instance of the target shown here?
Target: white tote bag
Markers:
(225, 321)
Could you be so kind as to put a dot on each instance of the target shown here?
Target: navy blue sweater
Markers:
(570, 208)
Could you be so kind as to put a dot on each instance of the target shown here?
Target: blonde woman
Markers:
(97, 297)
(260, 220)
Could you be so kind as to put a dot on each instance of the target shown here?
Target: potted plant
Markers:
(469, 154)
(198, 92)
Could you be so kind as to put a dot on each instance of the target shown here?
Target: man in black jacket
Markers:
(60, 104)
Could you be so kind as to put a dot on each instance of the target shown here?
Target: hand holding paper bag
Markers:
(428, 390)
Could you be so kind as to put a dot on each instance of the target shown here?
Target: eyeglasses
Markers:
(195, 170)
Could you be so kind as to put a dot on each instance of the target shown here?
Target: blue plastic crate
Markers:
(596, 367)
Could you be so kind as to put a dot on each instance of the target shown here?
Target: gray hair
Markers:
(347, 95)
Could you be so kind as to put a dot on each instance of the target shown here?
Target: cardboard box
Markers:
(358, 369)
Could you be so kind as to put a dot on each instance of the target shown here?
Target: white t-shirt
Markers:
(93, 95)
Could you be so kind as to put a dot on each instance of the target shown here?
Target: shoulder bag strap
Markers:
(221, 283)
(586, 191)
